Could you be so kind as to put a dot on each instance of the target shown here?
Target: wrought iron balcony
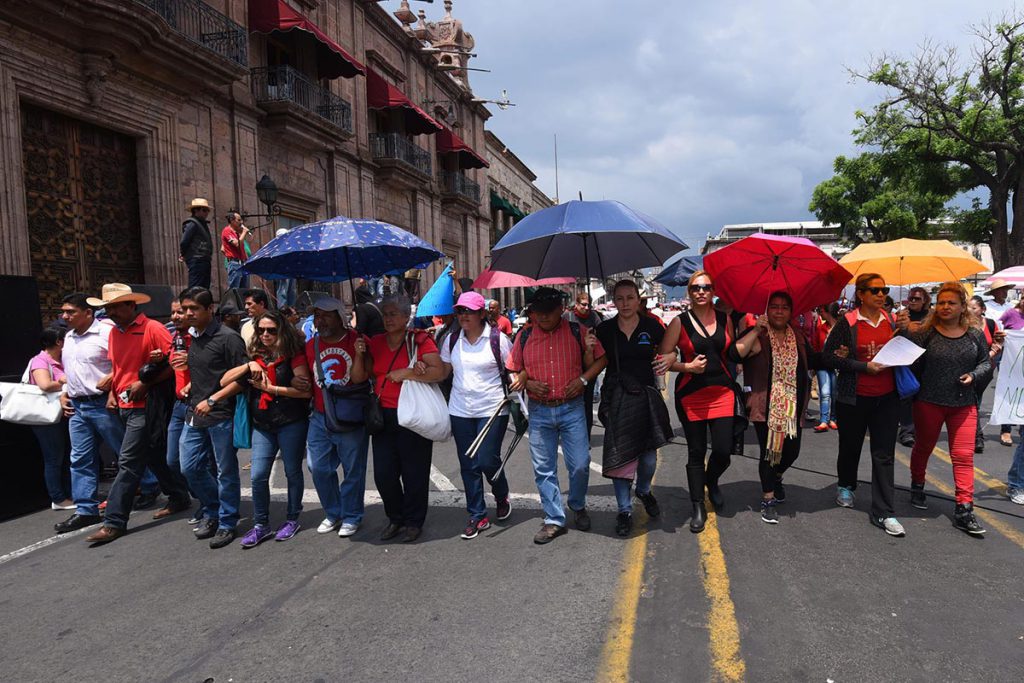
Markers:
(396, 147)
(204, 26)
(285, 84)
(456, 183)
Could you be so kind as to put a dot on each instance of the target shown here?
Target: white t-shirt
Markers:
(476, 383)
(995, 311)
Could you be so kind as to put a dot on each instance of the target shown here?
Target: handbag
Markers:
(27, 404)
(740, 419)
(373, 416)
(421, 406)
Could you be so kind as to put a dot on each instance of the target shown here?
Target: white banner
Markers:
(1008, 406)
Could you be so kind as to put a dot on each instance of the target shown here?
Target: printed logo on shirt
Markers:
(644, 339)
(337, 365)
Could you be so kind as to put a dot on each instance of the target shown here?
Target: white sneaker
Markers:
(327, 526)
(348, 529)
(890, 525)
(65, 505)
(1016, 495)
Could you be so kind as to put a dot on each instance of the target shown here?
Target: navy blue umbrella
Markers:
(678, 273)
(579, 238)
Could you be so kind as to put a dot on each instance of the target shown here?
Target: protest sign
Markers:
(1008, 407)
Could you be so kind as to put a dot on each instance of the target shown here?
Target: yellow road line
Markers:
(618, 644)
(979, 474)
(726, 661)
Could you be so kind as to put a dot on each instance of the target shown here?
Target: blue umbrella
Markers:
(678, 273)
(341, 248)
(579, 238)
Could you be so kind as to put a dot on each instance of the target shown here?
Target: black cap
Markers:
(228, 308)
(545, 299)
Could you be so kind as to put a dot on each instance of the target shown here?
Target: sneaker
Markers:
(206, 528)
(63, 505)
(474, 527)
(768, 512)
(651, 506)
(963, 519)
(780, 491)
(287, 530)
(256, 535)
(348, 529)
(890, 525)
(917, 496)
(623, 524)
(1015, 495)
(979, 445)
(844, 497)
(222, 538)
(327, 526)
(196, 517)
(503, 509)
(582, 519)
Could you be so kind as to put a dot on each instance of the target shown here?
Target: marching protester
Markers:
(280, 416)
(553, 360)
(955, 360)
(631, 341)
(475, 354)
(401, 457)
(367, 314)
(256, 303)
(866, 400)
(704, 392)
(777, 361)
(136, 386)
(196, 245)
(999, 290)
(47, 373)
(993, 340)
(584, 315)
(496, 319)
(1012, 318)
(918, 307)
(827, 316)
(232, 245)
(209, 420)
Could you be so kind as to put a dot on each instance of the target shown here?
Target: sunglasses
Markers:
(701, 288)
(875, 290)
(916, 298)
(584, 304)
(268, 330)
(460, 310)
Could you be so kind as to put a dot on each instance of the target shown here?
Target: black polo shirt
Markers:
(211, 354)
(635, 353)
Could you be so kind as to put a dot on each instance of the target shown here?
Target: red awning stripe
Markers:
(333, 61)
(449, 142)
(382, 95)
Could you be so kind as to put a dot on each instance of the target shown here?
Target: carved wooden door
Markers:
(83, 206)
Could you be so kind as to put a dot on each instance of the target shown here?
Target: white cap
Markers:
(329, 303)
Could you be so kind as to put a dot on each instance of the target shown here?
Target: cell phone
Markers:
(124, 396)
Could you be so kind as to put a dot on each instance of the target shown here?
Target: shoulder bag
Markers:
(421, 405)
(27, 404)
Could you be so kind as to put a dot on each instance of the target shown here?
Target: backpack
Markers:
(573, 327)
(453, 339)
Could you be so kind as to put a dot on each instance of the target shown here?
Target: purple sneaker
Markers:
(256, 535)
(287, 530)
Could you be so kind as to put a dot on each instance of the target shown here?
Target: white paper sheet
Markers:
(898, 351)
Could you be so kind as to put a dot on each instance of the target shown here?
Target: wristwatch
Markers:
(211, 402)
(584, 380)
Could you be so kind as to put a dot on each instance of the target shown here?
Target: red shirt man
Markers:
(129, 349)
(232, 238)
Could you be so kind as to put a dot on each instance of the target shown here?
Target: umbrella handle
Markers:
(478, 441)
(508, 454)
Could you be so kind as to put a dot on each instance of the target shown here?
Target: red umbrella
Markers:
(746, 272)
(499, 279)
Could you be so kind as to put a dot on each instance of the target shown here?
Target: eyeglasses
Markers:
(584, 304)
(875, 290)
(701, 288)
(268, 330)
(916, 298)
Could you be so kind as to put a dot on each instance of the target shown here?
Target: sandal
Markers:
(821, 428)
(1006, 439)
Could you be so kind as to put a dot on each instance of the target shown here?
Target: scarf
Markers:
(782, 403)
(270, 371)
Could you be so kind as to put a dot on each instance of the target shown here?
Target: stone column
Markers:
(15, 257)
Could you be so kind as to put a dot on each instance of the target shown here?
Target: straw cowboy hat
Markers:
(1000, 283)
(199, 203)
(116, 293)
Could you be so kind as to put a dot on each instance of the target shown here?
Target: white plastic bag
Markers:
(422, 408)
(27, 404)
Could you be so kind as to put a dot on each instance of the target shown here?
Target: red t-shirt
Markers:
(336, 361)
(231, 251)
(504, 324)
(385, 360)
(129, 350)
(181, 377)
(870, 341)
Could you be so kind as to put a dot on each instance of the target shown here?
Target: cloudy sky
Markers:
(697, 112)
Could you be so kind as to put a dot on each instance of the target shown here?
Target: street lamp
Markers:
(266, 192)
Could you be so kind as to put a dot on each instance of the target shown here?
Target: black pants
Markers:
(138, 451)
(906, 429)
(877, 416)
(401, 470)
(697, 445)
(199, 273)
(588, 405)
(790, 452)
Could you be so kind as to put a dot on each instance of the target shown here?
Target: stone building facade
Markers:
(114, 114)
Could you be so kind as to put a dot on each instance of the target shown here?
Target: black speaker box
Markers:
(161, 296)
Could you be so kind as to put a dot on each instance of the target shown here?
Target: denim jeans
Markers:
(485, 464)
(290, 439)
(1015, 477)
(53, 442)
(325, 452)
(645, 466)
(236, 278)
(825, 381)
(91, 423)
(220, 495)
(548, 424)
(285, 292)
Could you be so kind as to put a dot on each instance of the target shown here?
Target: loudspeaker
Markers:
(23, 325)
(161, 296)
(237, 297)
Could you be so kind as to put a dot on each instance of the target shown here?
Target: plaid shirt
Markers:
(554, 358)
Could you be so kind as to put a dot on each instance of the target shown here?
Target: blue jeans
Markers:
(53, 442)
(91, 423)
(547, 425)
(485, 464)
(220, 496)
(236, 278)
(825, 381)
(291, 440)
(285, 292)
(645, 467)
(325, 451)
(1015, 477)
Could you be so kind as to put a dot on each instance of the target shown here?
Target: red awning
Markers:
(449, 142)
(267, 16)
(382, 95)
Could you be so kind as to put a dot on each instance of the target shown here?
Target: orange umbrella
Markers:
(908, 261)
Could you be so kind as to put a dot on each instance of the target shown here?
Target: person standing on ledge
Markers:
(196, 246)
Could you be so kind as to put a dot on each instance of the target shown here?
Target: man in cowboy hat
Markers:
(999, 289)
(196, 247)
(132, 341)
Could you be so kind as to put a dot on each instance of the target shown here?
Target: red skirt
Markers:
(709, 403)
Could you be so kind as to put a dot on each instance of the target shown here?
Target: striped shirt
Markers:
(554, 357)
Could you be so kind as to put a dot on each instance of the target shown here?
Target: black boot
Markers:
(715, 495)
(917, 497)
(699, 518)
(963, 519)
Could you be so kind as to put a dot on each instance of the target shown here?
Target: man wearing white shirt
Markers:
(999, 291)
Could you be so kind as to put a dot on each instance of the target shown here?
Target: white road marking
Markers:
(45, 542)
(442, 482)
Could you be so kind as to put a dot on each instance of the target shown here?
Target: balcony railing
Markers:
(285, 84)
(456, 182)
(397, 147)
(203, 25)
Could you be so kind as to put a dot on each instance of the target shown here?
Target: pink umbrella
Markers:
(746, 272)
(1013, 276)
(499, 279)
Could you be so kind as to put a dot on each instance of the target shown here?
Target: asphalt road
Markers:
(822, 596)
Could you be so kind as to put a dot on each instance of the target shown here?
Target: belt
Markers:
(89, 397)
(553, 404)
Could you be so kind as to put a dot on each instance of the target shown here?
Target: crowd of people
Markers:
(176, 402)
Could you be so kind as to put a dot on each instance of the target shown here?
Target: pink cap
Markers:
(472, 301)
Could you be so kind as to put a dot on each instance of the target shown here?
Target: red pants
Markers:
(961, 425)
